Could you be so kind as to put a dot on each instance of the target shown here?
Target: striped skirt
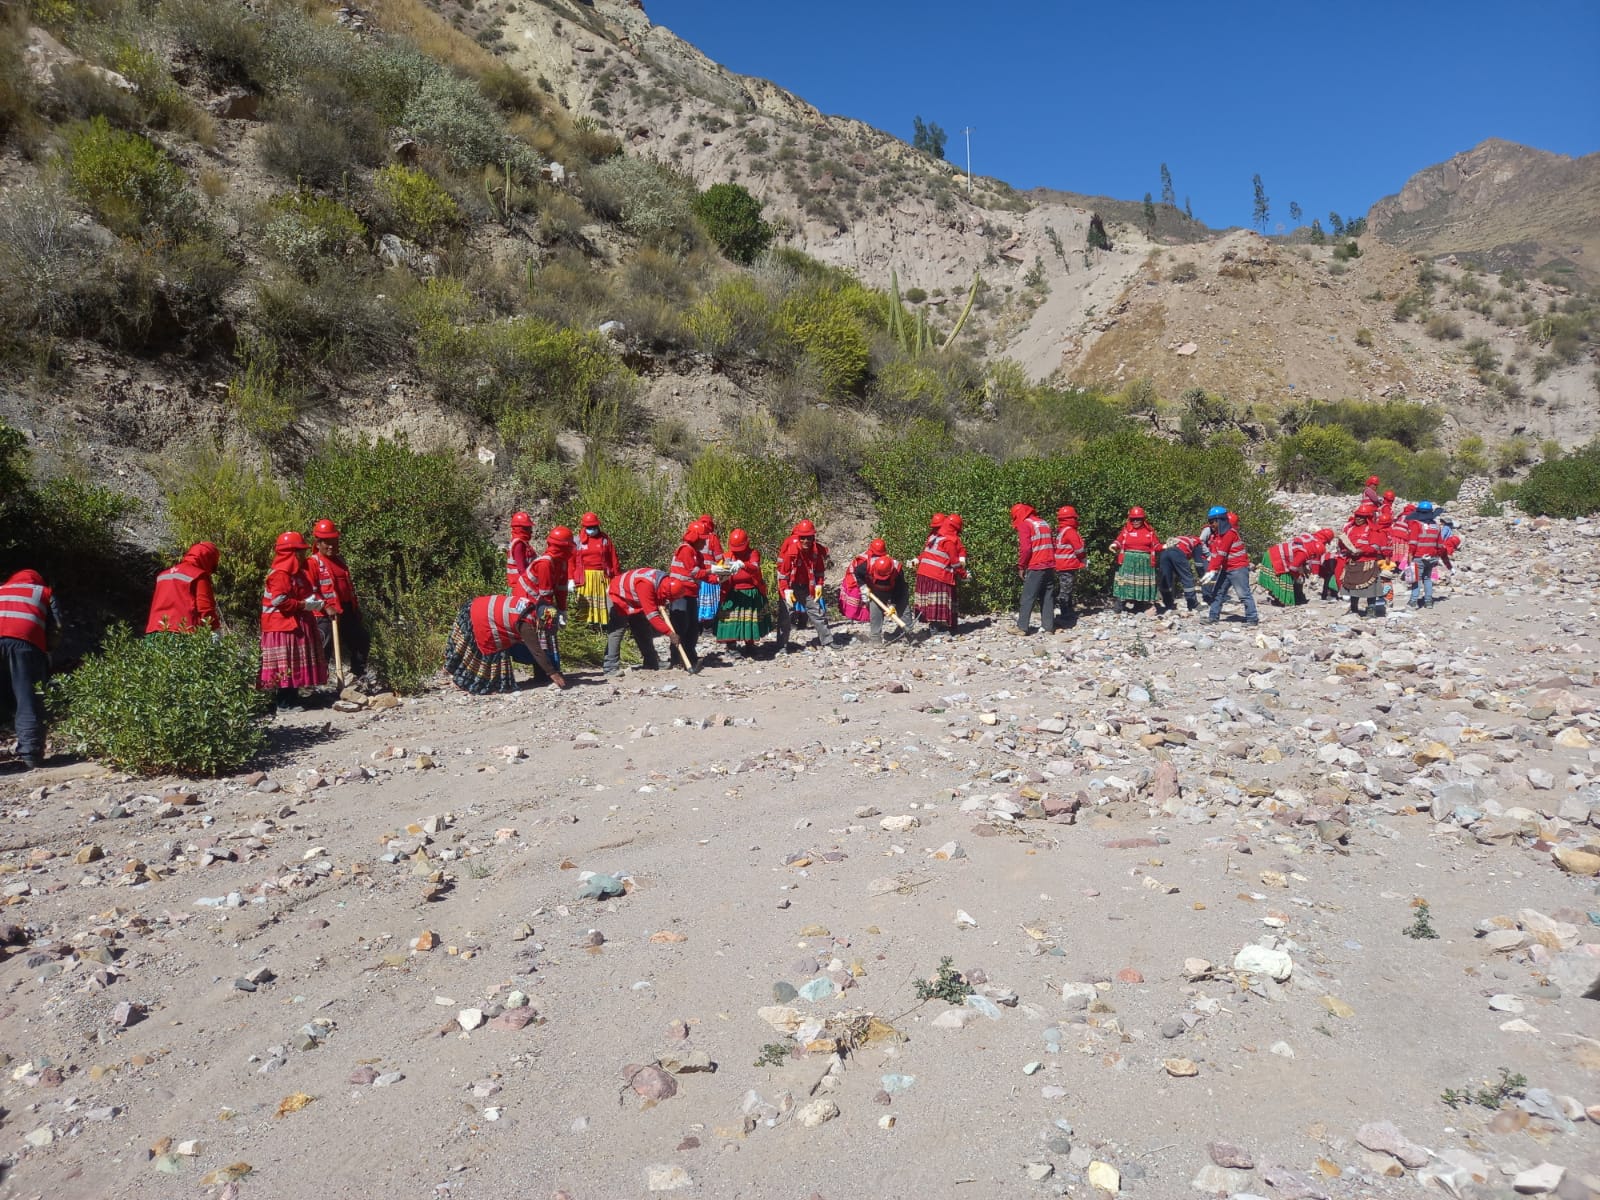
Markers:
(594, 606)
(935, 601)
(1136, 579)
(853, 606)
(293, 659)
(1279, 586)
(470, 668)
(743, 617)
(710, 600)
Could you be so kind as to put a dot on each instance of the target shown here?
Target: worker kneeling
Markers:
(883, 585)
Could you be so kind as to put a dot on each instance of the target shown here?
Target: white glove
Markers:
(1208, 578)
(788, 597)
(561, 620)
(816, 592)
(572, 585)
(314, 605)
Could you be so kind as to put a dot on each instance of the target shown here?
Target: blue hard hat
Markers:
(1425, 506)
(1216, 511)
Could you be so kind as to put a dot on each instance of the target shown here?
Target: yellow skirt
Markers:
(593, 604)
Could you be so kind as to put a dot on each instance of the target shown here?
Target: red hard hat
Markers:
(559, 538)
(949, 528)
(705, 519)
(1324, 535)
(955, 519)
(937, 521)
(590, 519)
(291, 541)
(1366, 510)
(696, 532)
(521, 520)
(738, 540)
(877, 547)
(1388, 495)
(326, 530)
(881, 569)
(1018, 511)
(1372, 481)
(1066, 513)
(1136, 513)
(805, 529)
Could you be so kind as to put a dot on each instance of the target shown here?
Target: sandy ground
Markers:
(1293, 788)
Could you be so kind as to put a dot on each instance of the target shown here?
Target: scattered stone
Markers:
(818, 1112)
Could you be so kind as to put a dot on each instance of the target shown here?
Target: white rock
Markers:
(469, 1018)
(900, 824)
(664, 1178)
(818, 1112)
(1258, 960)
(1536, 1181)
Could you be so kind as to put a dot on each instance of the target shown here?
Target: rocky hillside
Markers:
(1507, 205)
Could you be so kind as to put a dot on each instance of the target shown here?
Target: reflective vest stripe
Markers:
(175, 574)
(628, 584)
(23, 602)
(1039, 538)
(512, 568)
(1427, 541)
(682, 571)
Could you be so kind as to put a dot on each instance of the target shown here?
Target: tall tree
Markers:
(1259, 211)
(1317, 235)
(928, 138)
(1149, 213)
(1336, 224)
(1188, 210)
(1169, 197)
(1295, 211)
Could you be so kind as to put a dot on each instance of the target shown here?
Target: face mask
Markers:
(591, 530)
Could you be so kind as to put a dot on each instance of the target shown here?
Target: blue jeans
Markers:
(26, 667)
(1237, 580)
(1424, 583)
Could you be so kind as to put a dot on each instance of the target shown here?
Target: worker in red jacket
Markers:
(637, 606)
(940, 570)
(1425, 540)
(802, 568)
(490, 633)
(1363, 549)
(1229, 566)
(331, 576)
(541, 592)
(880, 576)
(594, 565)
(520, 552)
(1138, 548)
(1369, 494)
(183, 600)
(1036, 567)
(291, 648)
(30, 627)
(1070, 559)
(689, 569)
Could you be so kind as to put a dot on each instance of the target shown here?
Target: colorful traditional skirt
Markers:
(710, 600)
(1279, 585)
(594, 605)
(293, 659)
(1136, 579)
(853, 606)
(743, 617)
(935, 602)
(470, 668)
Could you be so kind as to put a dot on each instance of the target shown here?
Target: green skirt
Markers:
(743, 617)
(1279, 587)
(1136, 579)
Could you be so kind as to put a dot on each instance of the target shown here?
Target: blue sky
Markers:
(1335, 105)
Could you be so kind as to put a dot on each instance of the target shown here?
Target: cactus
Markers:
(966, 312)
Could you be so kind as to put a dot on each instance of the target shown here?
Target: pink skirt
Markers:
(293, 659)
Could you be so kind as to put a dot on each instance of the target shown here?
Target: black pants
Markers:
(1066, 581)
(354, 640)
(26, 667)
(895, 598)
(1175, 569)
(644, 637)
(1038, 588)
(685, 616)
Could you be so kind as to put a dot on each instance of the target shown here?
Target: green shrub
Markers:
(304, 230)
(1481, 355)
(416, 206)
(18, 118)
(762, 496)
(126, 180)
(43, 260)
(1470, 456)
(827, 446)
(636, 506)
(737, 318)
(183, 704)
(651, 201)
(1411, 305)
(1415, 473)
(337, 319)
(169, 704)
(315, 147)
(451, 114)
(1443, 327)
(1568, 486)
(262, 394)
(732, 218)
(224, 38)
(1413, 425)
(823, 325)
(1320, 457)
(1184, 272)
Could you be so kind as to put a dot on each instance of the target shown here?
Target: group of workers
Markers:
(310, 613)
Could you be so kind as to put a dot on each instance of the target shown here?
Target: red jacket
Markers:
(1069, 549)
(283, 599)
(497, 623)
(1363, 542)
(713, 550)
(880, 573)
(1036, 550)
(597, 553)
(800, 570)
(687, 572)
(941, 559)
(1425, 538)
(183, 599)
(1137, 539)
(747, 574)
(332, 580)
(1228, 552)
(637, 593)
(26, 609)
(544, 582)
(518, 555)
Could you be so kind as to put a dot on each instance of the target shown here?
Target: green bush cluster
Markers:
(1333, 446)
(651, 201)
(732, 219)
(173, 703)
(1568, 486)
(917, 472)
(763, 496)
(306, 231)
(416, 206)
(126, 180)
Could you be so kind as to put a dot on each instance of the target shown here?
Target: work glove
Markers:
(572, 585)
(816, 592)
(788, 597)
(1208, 579)
(314, 605)
(561, 620)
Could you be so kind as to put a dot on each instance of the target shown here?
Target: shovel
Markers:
(887, 611)
(338, 656)
(683, 655)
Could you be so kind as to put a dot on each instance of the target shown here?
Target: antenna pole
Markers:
(968, 131)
